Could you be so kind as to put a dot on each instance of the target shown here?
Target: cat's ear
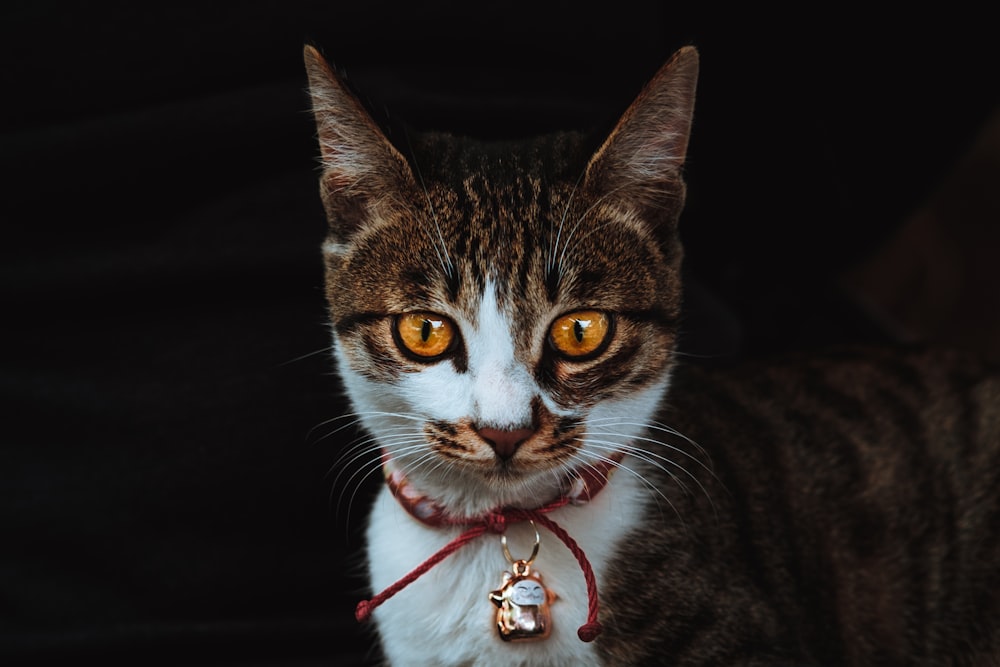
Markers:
(641, 159)
(362, 170)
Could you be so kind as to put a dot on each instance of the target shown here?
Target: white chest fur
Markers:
(445, 618)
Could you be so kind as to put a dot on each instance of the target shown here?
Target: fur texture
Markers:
(832, 512)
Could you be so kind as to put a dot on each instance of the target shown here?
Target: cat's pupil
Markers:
(425, 330)
(578, 330)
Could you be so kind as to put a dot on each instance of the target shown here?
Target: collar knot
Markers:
(496, 522)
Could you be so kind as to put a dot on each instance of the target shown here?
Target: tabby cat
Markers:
(505, 319)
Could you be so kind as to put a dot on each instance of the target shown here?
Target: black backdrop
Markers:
(164, 486)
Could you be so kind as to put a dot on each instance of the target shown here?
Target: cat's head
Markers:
(504, 314)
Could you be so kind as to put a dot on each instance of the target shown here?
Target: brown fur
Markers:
(851, 515)
(842, 509)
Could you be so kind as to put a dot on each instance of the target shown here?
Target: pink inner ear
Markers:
(648, 145)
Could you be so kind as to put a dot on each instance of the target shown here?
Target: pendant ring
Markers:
(534, 550)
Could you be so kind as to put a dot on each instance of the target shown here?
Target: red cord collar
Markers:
(583, 487)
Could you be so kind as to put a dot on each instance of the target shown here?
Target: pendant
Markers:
(522, 600)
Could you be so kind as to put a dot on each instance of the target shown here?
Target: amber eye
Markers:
(424, 335)
(580, 334)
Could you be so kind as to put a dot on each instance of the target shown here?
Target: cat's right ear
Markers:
(362, 170)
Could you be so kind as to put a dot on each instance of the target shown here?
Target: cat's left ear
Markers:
(361, 168)
(641, 159)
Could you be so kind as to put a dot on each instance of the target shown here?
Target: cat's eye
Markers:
(424, 335)
(581, 334)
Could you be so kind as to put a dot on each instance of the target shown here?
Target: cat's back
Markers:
(838, 509)
(874, 404)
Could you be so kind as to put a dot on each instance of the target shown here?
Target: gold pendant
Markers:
(522, 600)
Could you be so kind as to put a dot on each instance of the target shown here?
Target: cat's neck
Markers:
(581, 488)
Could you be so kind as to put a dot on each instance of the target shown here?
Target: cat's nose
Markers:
(505, 442)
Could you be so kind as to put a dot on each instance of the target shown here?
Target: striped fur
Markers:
(843, 510)
(851, 517)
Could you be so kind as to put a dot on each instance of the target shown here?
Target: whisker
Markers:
(579, 221)
(641, 438)
(334, 432)
(648, 457)
(550, 262)
(409, 465)
(659, 426)
(654, 458)
(323, 350)
(621, 466)
(363, 472)
(357, 418)
(439, 244)
(367, 448)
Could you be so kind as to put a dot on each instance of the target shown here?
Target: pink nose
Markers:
(505, 442)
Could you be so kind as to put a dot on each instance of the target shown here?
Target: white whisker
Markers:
(658, 493)
(643, 455)
(322, 350)
(664, 444)
(658, 460)
(579, 222)
(550, 262)
(439, 245)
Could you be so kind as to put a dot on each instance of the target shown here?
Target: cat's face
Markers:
(503, 315)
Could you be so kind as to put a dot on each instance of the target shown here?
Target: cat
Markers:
(505, 321)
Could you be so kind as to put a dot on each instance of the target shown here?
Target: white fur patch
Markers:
(496, 390)
(501, 387)
(445, 618)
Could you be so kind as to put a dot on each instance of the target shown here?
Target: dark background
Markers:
(165, 486)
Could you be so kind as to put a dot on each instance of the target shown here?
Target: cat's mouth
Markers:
(506, 471)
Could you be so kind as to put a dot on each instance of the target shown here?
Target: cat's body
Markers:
(506, 317)
(854, 518)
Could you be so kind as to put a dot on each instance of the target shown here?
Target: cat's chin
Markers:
(473, 490)
(507, 476)
(500, 475)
